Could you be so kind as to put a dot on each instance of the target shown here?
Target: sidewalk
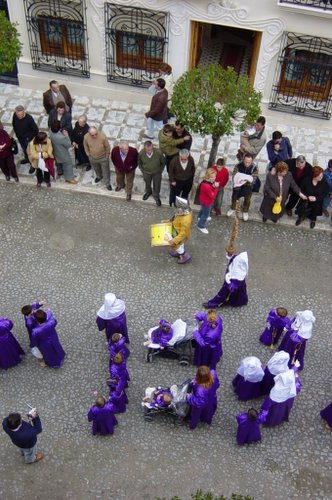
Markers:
(122, 120)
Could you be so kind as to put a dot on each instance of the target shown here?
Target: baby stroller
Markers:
(178, 407)
(180, 345)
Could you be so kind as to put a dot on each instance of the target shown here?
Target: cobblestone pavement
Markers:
(71, 248)
(123, 120)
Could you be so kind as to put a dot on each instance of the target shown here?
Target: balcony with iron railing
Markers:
(311, 7)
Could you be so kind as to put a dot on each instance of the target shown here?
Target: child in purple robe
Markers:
(29, 319)
(45, 338)
(248, 430)
(117, 394)
(234, 289)
(101, 414)
(326, 414)
(277, 364)
(111, 317)
(277, 323)
(117, 344)
(281, 398)
(247, 382)
(208, 350)
(162, 334)
(294, 342)
(118, 368)
(10, 349)
(203, 398)
(160, 398)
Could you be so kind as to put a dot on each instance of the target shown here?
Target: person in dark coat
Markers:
(64, 117)
(300, 169)
(208, 350)
(157, 114)
(111, 317)
(243, 190)
(80, 129)
(25, 129)
(24, 435)
(125, 161)
(203, 398)
(10, 349)
(101, 414)
(181, 132)
(55, 94)
(315, 190)
(181, 175)
(276, 189)
(7, 163)
(279, 148)
(46, 339)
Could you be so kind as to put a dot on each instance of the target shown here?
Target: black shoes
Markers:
(31, 170)
(23, 162)
(17, 179)
(118, 188)
(146, 196)
(88, 167)
(298, 221)
(109, 187)
(206, 305)
(128, 197)
(7, 178)
(98, 179)
(264, 219)
(158, 202)
(312, 224)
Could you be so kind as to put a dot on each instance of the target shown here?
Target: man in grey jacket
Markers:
(61, 144)
(151, 162)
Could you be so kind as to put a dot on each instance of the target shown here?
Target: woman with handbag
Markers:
(276, 190)
(7, 163)
(39, 150)
(315, 189)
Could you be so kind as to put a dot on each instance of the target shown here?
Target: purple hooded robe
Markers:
(46, 339)
(208, 350)
(203, 402)
(272, 333)
(248, 431)
(114, 325)
(10, 349)
(103, 419)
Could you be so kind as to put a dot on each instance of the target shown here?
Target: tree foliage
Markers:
(10, 45)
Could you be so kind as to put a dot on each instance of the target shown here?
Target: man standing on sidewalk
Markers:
(151, 161)
(25, 129)
(98, 150)
(125, 160)
(24, 435)
(157, 114)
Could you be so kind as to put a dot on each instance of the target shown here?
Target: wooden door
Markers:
(195, 44)
(254, 56)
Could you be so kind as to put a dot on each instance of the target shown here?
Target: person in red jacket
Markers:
(208, 191)
(125, 161)
(222, 177)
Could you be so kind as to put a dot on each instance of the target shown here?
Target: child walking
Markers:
(207, 194)
(248, 430)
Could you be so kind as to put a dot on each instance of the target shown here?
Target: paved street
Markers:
(70, 248)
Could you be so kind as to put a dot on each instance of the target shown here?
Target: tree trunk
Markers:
(214, 150)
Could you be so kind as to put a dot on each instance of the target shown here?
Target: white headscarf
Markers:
(238, 268)
(251, 369)
(112, 307)
(284, 387)
(278, 363)
(303, 323)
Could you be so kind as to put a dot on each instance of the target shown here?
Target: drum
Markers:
(158, 232)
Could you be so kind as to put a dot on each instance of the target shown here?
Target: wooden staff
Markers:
(235, 231)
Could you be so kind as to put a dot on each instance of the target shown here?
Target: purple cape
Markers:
(245, 389)
(268, 381)
(103, 419)
(326, 414)
(271, 334)
(114, 325)
(277, 413)
(160, 337)
(10, 349)
(119, 371)
(46, 339)
(203, 402)
(31, 322)
(115, 347)
(208, 350)
(248, 431)
(295, 346)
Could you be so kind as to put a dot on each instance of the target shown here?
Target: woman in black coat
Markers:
(315, 188)
(81, 128)
(276, 188)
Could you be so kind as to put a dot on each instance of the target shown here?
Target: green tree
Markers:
(10, 45)
(211, 100)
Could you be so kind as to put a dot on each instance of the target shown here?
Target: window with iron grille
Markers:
(136, 42)
(317, 4)
(58, 36)
(303, 78)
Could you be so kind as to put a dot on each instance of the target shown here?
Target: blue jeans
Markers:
(326, 202)
(151, 124)
(29, 454)
(204, 213)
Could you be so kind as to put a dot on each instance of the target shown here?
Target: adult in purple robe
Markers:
(111, 317)
(247, 382)
(118, 344)
(203, 398)
(102, 417)
(234, 289)
(45, 337)
(294, 342)
(326, 414)
(162, 334)
(29, 319)
(277, 364)
(117, 394)
(248, 430)
(208, 350)
(281, 398)
(10, 349)
(277, 323)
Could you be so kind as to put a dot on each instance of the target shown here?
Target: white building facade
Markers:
(111, 48)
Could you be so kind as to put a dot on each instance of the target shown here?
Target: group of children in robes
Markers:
(111, 317)
(43, 338)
